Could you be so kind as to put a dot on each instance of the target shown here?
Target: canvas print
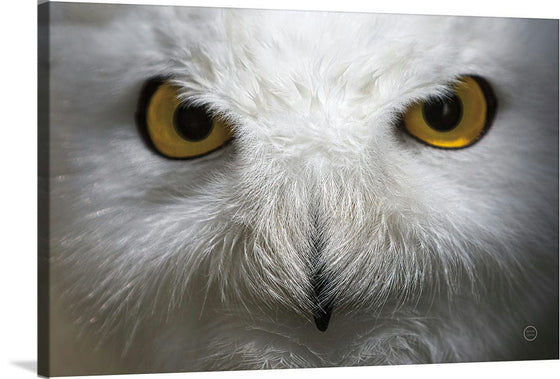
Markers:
(224, 189)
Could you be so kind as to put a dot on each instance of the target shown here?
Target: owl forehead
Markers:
(321, 70)
(314, 49)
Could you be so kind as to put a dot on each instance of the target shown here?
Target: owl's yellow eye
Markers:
(180, 130)
(457, 120)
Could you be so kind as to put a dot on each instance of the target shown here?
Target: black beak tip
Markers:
(322, 321)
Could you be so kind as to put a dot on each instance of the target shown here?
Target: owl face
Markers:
(324, 206)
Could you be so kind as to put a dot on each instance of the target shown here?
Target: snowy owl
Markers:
(241, 189)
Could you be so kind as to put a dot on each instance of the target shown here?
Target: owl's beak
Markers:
(323, 302)
(324, 306)
(322, 318)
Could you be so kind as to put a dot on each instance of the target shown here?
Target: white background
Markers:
(18, 173)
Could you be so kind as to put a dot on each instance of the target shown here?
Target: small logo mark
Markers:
(530, 333)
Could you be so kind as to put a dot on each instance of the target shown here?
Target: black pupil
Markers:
(192, 123)
(443, 115)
